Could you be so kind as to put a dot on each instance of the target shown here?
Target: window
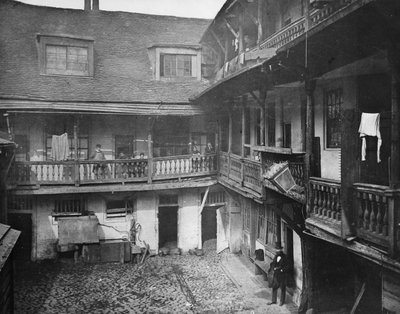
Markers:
(118, 208)
(333, 105)
(65, 56)
(124, 144)
(266, 225)
(83, 147)
(75, 205)
(215, 198)
(168, 200)
(287, 135)
(67, 60)
(172, 65)
(22, 152)
(19, 202)
(261, 224)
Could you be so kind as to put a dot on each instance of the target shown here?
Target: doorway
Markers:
(167, 225)
(23, 223)
(208, 223)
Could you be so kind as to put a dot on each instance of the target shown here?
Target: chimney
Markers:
(96, 6)
(88, 5)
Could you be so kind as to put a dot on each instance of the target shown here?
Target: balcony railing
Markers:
(109, 171)
(372, 213)
(285, 35)
(324, 202)
(247, 173)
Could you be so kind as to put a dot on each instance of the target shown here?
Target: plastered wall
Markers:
(330, 158)
(45, 226)
(188, 219)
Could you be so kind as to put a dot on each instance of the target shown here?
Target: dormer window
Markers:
(175, 62)
(172, 65)
(67, 60)
(65, 55)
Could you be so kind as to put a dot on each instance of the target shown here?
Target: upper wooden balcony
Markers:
(248, 175)
(82, 172)
(286, 35)
(372, 212)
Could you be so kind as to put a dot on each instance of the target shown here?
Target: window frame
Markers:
(68, 41)
(175, 68)
(119, 212)
(326, 93)
(79, 199)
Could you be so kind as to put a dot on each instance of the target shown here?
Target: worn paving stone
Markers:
(170, 284)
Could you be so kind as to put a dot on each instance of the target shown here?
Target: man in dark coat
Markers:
(280, 267)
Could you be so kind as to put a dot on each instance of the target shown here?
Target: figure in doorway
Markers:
(279, 266)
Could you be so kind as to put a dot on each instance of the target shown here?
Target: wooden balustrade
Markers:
(252, 175)
(224, 163)
(325, 199)
(235, 170)
(372, 213)
(123, 170)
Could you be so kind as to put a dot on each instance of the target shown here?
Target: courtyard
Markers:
(169, 284)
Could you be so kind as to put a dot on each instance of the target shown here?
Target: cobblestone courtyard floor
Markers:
(170, 284)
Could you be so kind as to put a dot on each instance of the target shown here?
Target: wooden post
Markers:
(393, 197)
(243, 126)
(241, 36)
(393, 53)
(260, 22)
(76, 148)
(150, 152)
(263, 96)
(279, 123)
(88, 5)
(278, 242)
(309, 158)
(229, 142)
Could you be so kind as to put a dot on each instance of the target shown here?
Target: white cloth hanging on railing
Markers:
(370, 126)
(59, 147)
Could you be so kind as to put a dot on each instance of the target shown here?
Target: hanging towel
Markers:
(369, 126)
(60, 147)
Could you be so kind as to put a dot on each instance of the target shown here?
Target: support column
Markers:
(243, 127)
(278, 242)
(76, 148)
(263, 96)
(260, 22)
(309, 158)
(241, 36)
(150, 151)
(279, 123)
(393, 53)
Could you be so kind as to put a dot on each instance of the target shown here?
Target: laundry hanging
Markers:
(370, 126)
(59, 147)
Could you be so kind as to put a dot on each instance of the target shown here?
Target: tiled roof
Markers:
(122, 69)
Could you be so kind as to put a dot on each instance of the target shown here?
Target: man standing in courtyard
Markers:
(279, 266)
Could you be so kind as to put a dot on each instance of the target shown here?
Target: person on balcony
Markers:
(99, 168)
(195, 148)
(209, 148)
(279, 266)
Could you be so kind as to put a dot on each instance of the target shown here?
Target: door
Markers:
(168, 225)
(222, 227)
(23, 223)
(208, 223)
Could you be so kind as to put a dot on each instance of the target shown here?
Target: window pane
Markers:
(176, 65)
(333, 103)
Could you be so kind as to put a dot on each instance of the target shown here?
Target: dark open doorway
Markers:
(23, 223)
(208, 223)
(168, 224)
